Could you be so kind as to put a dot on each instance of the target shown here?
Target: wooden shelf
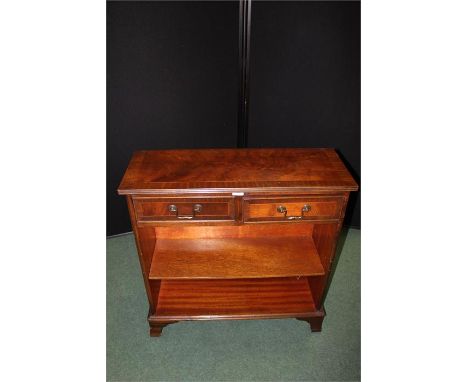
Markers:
(230, 258)
(236, 299)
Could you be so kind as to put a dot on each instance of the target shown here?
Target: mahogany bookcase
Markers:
(236, 233)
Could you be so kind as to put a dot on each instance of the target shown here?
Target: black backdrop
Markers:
(172, 82)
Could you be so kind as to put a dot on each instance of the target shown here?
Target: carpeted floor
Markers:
(264, 350)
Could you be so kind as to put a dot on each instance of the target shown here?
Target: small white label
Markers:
(237, 194)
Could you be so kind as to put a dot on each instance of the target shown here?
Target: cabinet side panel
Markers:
(145, 240)
(325, 238)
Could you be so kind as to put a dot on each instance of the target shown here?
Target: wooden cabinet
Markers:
(236, 233)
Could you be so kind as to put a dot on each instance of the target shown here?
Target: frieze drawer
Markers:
(291, 209)
(184, 209)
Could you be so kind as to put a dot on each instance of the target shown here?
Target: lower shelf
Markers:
(234, 299)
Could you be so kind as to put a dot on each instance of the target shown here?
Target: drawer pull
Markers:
(196, 209)
(284, 210)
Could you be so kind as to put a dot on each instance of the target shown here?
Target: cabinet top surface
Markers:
(235, 170)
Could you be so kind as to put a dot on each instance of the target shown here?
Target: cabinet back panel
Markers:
(241, 231)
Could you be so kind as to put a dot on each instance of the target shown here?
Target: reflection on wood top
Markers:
(229, 170)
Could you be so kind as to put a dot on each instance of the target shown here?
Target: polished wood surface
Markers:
(235, 258)
(213, 244)
(235, 169)
(238, 231)
(224, 299)
(266, 209)
(145, 241)
(211, 208)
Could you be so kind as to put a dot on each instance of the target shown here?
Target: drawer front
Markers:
(175, 209)
(291, 208)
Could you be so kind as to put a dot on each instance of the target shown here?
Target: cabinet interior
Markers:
(209, 272)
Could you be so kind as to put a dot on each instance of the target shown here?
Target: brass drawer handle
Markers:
(284, 210)
(197, 208)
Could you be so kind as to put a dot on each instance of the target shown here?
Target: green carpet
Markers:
(263, 350)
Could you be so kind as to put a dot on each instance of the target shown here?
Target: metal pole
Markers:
(245, 7)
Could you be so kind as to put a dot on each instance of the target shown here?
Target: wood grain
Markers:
(224, 299)
(238, 231)
(325, 238)
(235, 258)
(265, 209)
(239, 258)
(235, 170)
(145, 243)
(157, 209)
